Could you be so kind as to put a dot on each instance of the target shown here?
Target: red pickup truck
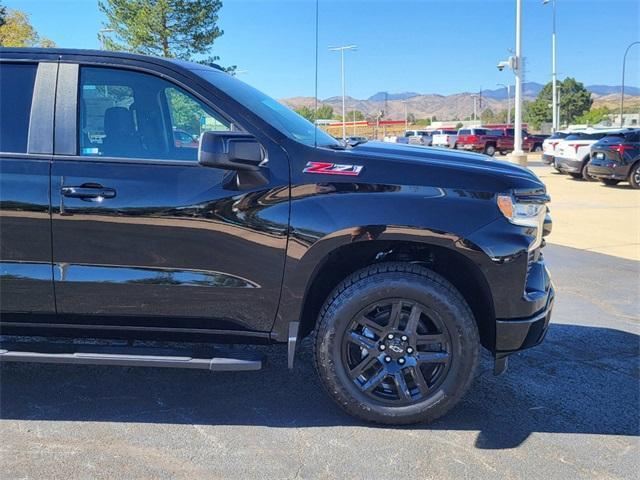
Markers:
(478, 139)
(492, 140)
(530, 143)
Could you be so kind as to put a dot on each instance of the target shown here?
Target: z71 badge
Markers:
(333, 169)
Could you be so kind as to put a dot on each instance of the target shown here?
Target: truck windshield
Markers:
(271, 111)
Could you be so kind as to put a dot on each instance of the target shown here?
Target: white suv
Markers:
(549, 146)
(572, 153)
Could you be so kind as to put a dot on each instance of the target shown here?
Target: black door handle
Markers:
(89, 192)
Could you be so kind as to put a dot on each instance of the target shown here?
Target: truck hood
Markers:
(448, 163)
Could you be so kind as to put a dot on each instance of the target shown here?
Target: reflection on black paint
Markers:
(148, 276)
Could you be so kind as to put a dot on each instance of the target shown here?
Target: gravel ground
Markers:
(567, 409)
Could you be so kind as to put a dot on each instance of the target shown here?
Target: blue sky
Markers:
(427, 46)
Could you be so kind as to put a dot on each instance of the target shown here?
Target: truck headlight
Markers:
(529, 214)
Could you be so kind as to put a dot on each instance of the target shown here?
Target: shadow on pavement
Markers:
(581, 380)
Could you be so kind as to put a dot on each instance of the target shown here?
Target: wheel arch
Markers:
(446, 260)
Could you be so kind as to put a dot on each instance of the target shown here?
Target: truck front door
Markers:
(144, 238)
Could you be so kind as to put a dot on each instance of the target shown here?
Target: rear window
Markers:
(464, 132)
(16, 93)
(558, 135)
(621, 137)
(480, 131)
(449, 132)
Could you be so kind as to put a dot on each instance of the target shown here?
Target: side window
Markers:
(136, 115)
(16, 93)
(189, 118)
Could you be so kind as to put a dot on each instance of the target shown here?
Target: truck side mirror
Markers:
(230, 151)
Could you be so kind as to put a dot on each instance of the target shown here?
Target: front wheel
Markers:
(634, 176)
(537, 149)
(490, 150)
(396, 343)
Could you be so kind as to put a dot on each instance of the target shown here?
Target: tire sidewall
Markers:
(455, 317)
(632, 173)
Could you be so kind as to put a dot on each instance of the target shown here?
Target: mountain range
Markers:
(458, 105)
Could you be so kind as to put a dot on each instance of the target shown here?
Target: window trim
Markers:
(39, 141)
(73, 103)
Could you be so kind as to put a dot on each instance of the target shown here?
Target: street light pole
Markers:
(508, 87)
(624, 65)
(102, 37)
(554, 92)
(406, 115)
(344, 109)
(518, 154)
(475, 110)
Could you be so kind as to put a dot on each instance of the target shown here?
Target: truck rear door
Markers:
(26, 141)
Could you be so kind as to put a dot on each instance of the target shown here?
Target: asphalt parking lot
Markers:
(567, 409)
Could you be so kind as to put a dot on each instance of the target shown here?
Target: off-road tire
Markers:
(377, 283)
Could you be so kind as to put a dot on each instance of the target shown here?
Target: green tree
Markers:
(325, 112)
(17, 31)
(574, 101)
(355, 114)
(593, 116)
(306, 112)
(169, 28)
(459, 125)
(411, 118)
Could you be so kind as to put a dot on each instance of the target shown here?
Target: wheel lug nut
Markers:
(382, 346)
(409, 350)
(404, 338)
(387, 359)
(390, 336)
(401, 361)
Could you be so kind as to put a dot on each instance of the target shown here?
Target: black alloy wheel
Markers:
(396, 351)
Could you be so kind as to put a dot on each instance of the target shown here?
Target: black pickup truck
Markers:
(400, 261)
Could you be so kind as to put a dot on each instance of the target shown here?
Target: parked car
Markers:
(444, 138)
(549, 146)
(418, 137)
(269, 232)
(574, 152)
(477, 139)
(616, 158)
(185, 139)
(506, 139)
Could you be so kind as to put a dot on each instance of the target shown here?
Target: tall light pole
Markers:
(406, 115)
(344, 109)
(102, 36)
(508, 87)
(554, 92)
(518, 154)
(475, 110)
(624, 65)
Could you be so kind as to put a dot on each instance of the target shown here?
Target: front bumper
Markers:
(547, 158)
(568, 165)
(517, 334)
